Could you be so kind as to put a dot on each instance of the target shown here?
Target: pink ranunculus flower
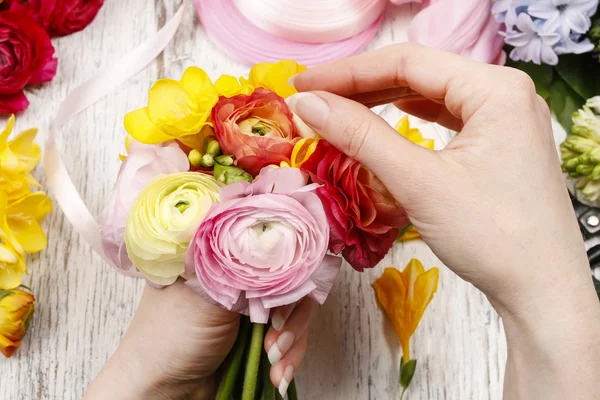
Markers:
(144, 162)
(264, 245)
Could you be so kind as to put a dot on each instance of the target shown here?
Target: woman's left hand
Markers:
(174, 345)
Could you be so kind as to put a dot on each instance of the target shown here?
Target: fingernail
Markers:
(277, 320)
(280, 347)
(311, 108)
(288, 375)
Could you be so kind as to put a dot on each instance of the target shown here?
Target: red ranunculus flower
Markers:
(256, 129)
(25, 58)
(363, 216)
(60, 17)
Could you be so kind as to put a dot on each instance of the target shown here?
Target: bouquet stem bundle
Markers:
(251, 382)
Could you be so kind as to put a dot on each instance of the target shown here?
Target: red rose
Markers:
(363, 216)
(256, 129)
(60, 17)
(25, 58)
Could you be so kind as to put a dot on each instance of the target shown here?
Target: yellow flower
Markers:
(16, 310)
(176, 109)
(12, 256)
(18, 157)
(274, 76)
(23, 217)
(410, 234)
(404, 296)
(163, 220)
(300, 153)
(229, 86)
(413, 134)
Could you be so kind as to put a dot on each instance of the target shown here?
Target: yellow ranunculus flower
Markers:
(163, 220)
(18, 157)
(404, 296)
(16, 310)
(176, 109)
(274, 76)
(229, 86)
(413, 134)
(12, 256)
(300, 153)
(23, 217)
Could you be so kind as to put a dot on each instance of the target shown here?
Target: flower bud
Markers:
(208, 139)
(213, 148)
(225, 160)
(195, 157)
(16, 310)
(228, 174)
(207, 161)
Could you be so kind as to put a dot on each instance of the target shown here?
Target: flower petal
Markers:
(139, 125)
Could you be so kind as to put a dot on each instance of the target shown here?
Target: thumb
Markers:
(402, 166)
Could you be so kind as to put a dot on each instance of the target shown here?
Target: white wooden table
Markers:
(84, 307)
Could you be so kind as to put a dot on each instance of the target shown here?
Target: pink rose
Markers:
(144, 162)
(257, 129)
(26, 57)
(60, 17)
(264, 245)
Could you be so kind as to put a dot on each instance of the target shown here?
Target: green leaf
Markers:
(292, 393)
(542, 75)
(268, 390)
(564, 101)
(4, 293)
(407, 371)
(580, 73)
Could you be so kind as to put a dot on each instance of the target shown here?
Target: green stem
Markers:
(292, 392)
(268, 390)
(251, 376)
(402, 395)
(236, 356)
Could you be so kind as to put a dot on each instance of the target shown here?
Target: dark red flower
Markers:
(26, 57)
(363, 216)
(60, 17)
(256, 129)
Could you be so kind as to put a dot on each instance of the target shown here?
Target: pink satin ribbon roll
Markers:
(242, 40)
(312, 21)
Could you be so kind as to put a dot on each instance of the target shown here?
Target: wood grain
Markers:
(84, 306)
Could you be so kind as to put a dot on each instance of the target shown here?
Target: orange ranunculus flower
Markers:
(404, 296)
(16, 310)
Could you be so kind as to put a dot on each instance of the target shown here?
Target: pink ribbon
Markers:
(242, 40)
(312, 21)
(109, 78)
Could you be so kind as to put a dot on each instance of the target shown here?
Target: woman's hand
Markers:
(493, 205)
(176, 342)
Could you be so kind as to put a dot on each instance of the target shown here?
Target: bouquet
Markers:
(225, 187)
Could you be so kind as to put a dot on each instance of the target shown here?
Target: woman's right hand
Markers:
(493, 205)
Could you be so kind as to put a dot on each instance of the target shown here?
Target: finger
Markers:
(278, 343)
(363, 135)
(461, 84)
(430, 111)
(385, 96)
(284, 370)
(280, 315)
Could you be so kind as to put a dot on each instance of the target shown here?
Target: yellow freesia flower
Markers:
(16, 310)
(229, 86)
(12, 256)
(413, 134)
(274, 76)
(18, 157)
(176, 109)
(410, 234)
(23, 217)
(404, 296)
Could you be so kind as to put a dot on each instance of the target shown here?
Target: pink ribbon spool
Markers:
(312, 21)
(242, 40)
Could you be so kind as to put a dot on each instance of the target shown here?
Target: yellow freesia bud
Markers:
(176, 109)
(413, 134)
(16, 310)
(274, 76)
(409, 234)
(404, 296)
(12, 256)
(163, 220)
